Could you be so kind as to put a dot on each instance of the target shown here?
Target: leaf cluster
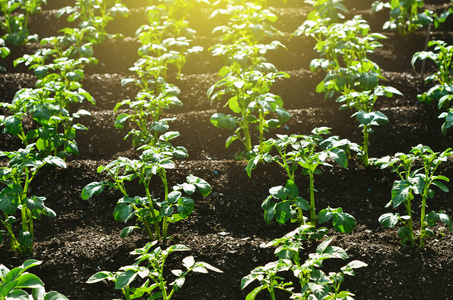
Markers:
(313, 282)
(412, 183)
(149, 267)
(406, 15)
(247, 77)
(93, 17)
(308, 152)
(14, 23)
(350, 74)
(441, 80)
(16, 283)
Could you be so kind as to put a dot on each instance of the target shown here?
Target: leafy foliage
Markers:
(441, 80)
(313, 282)
(150, 265)
(412, 183)
(152, 213)
(23, 165)
(309, 152)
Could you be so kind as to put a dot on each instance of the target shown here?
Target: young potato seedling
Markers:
(314, 283)
(442, 80)
(248, 96)
(23, 165)
(95, 16)
(308, 152)
(16, 15)
(405, 15)
(150, 265)
(154, 214)
(15, 283)
(411, 183)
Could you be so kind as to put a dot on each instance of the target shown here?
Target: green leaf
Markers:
(269, 213)
(13, 125)
(34, 203)
(203, 186)
(432, 218)
(173, 197)
(319, 290)
(127, 231)
(169, 136)
(29, 281)
(99, 276)
(189, 188)
(278, 192)
(343, 222)
(302, 203)
(185, 206)
(389, 219)
(120, 120)
(441, 185)
(18, 294)
(9, 203)
(92, 189)
(282, 114)
(292, 189)
(368, 81)
(324, 216)
(246, 280)
(165, 210)
(123, 212)
(374, 118)
(55, 161)
(55, 296)
(252, 295)
(220, 120)
(234, 105)
(404, 233)
(339, 156)
(283, 212)
(42, 114)
(400, 192)
(124, 279)
(444, 218)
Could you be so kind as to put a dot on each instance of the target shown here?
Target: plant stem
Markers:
(409, 212)
(261, 126)
(153, 213)
(271, 292)
(14, 243)
(365, 145)
(312, 200)
(422, 221)
(163, 176)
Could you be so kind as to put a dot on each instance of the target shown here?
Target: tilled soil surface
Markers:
(227, 228)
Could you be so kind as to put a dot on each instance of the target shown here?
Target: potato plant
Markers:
(16, 203)
(150, 266)
(14, 23)
(247, 77)
(152, 213)
(94, 15)
(412, 183)
(308, 152)
(441, 80)
(18, 283)
(351, 76)
(249, 96)
(405, 15)
(313, 283)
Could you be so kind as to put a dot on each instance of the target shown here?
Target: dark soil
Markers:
(227, 228)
